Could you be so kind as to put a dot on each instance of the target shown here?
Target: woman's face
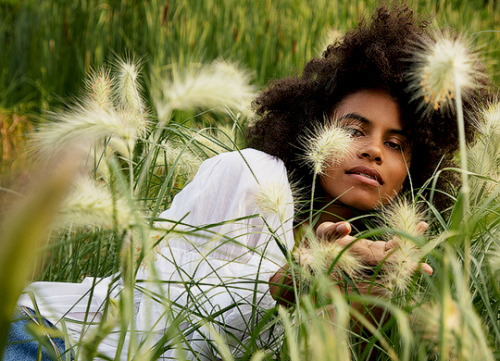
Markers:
(374, 174)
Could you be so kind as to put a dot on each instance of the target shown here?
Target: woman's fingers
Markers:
(369, 252)
(422, 227)
(427, 268)
(332, 231)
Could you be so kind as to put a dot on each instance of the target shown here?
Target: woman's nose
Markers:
(372, 150)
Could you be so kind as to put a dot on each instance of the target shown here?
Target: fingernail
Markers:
(427, 269)
(342, 228)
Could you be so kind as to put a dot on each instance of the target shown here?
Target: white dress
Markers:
(233, 224)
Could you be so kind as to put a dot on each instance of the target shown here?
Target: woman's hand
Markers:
(371, 253)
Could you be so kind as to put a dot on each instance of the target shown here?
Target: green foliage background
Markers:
(48, 46)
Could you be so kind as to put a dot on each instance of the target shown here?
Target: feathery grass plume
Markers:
(274, 198)
(442, 66)
(94, 118)
(486, 150)
(128, 90)
(215, 86)
(175, 154)
(84, 127)
(491, 126)
(324, 328)
(427, 320)
(99, 85)
(91, 204)
(484, 155)
(452, 330)
(406, 217)
(327, 144)
(494, 260)
(445, 69)
(320, 256)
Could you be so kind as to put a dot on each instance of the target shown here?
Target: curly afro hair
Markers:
(375, 55)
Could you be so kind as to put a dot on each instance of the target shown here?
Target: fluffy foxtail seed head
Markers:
(174, 154)
(441, 67)
(328, 144)
(210, 86)
(91, 204)
(274, 198)
(99, 86)
(428, 317)
(405, 216)
(94, 118)
(484, 155)
(128, 91)
(491, 126)
(395, 276)
(321, 256)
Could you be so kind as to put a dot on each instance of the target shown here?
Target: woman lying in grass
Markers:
(350, 134)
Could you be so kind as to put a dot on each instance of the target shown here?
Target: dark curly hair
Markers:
(375, 55)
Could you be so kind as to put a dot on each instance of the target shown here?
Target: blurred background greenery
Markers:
(47, 46)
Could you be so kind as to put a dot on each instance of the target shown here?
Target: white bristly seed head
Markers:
(99, 85)
(441, 66)
(404, 216)
(491, 126)
(86, 126)
(321, 256)
(427, 321)
(185, 161)
(127, 90)
(91, 204)
(211, 86)
(328, 144)
(274, 198)
(95, 119)
(484, 154)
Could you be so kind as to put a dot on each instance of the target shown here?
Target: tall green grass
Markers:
(48, 48)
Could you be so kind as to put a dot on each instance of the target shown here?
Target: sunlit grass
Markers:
(452, 315)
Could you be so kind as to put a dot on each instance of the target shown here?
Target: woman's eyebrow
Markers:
(366, 121)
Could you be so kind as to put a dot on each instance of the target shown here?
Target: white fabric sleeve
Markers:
(250, 192)
(237, 213)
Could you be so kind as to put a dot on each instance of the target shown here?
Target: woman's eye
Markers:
(353, 132)
(394, 145)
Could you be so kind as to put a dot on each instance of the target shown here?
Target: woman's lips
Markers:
(369, 174)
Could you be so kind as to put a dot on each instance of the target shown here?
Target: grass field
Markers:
(103, 225)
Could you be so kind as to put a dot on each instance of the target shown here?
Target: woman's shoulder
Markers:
(247, 157)
(248, 162)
